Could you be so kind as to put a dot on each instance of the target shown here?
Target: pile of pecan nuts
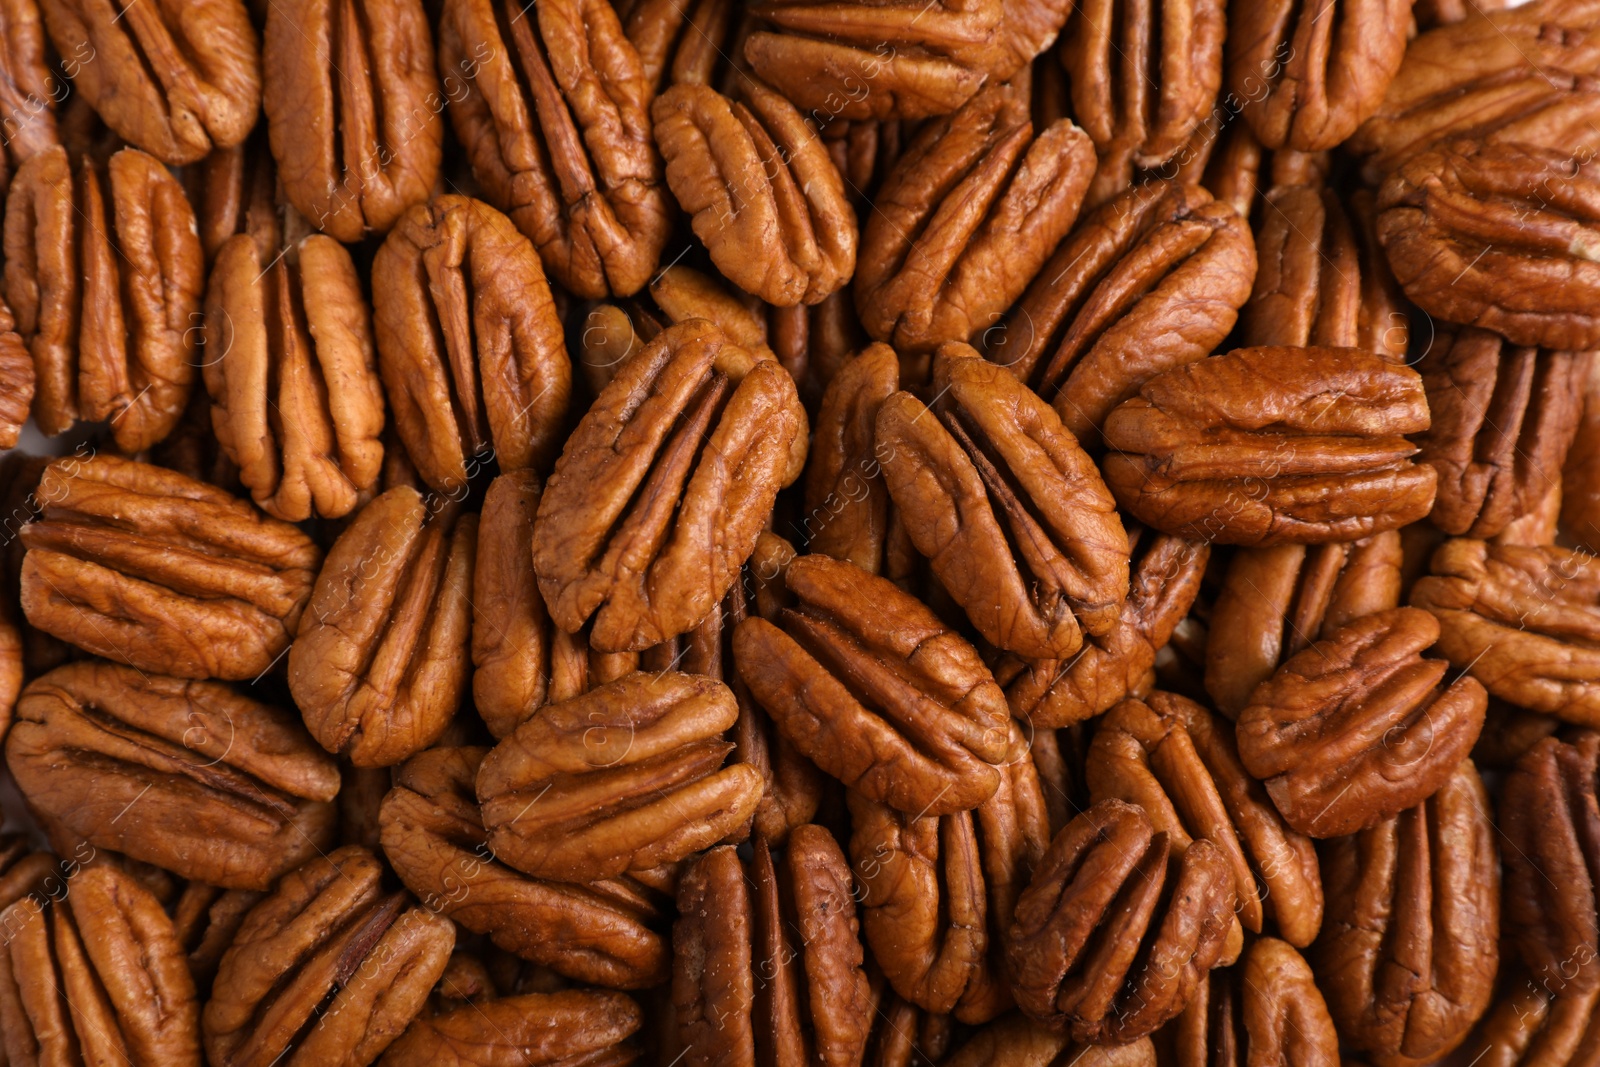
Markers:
(800, 533)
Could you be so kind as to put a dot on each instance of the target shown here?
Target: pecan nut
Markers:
(533, 1030)
(1530, 1025)
(693, 44)
(848, 512)
(16, 380)
(1266, 1010)
(30, 86)
(512, 657)
(153, 569)
(1018, 1041)
(1269, 446)
(1580, 474)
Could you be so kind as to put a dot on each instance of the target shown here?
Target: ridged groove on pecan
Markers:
(1266, 1010)
(687, 44)
(512, 657)
(847, 503)
(29, 88)
(1528, 1024)
(17, 379)
(569, 1026)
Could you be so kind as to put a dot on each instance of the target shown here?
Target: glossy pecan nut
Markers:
(661, 490)
(227, 791)
(866, 682)
(1017, 1041)
(1359, 726)
(1529, 1025)
(235, 190)
(848, 511)
(1503, 419)
(1580, 473)
(96, 977)
(379, 664)
(534, 1029)
(105, 275)
(512, 658)
(1410, 948)
(1266, 1010)
(30, 85)
(623, 778)
(760, 190)
(433, 836)
(1149, 281)
(1307, 75)
(469, 342)
(968, 215)
(156, 570)
(768, 963)
(552, 105)
(352, 105)
(1178, 762)
(1110, 941)
(16, 379)
(175, 79)
(330, 968)
(206, 918)
(293, 379)
(1266, 446)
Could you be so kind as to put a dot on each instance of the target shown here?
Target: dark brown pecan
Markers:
(512, 657)
(1275, 601)
(1110, 941)
(1307, 75)
(865, 681)
(229, 792)
(1408, 955)
(97, 977)
(557, 1029)
(553, 104)
(1177, 761)
(660, 492)
(1359, 727)
(30, 85)
(760, 190)
(352, 105)
(293, 379)
(24, 872)
(153, 569)
(469, 342)
(235, 190)
(1528, 1025)
(623, 778)
(965, 219)
(379, 664)
(1580, 475)
(1266, 1010)
(176, 78)
(105, 275)
(1018, 1041)
(1267, 446)
(847, 504)
(1149, 281)
(330, 968)
(433, 835)
(769, 963)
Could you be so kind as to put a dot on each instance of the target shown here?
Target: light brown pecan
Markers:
(1409, 952)
(661, 490)
(1110, 941)
(1149, 281)
(553, 105)
(1432, 13)
(1267, 446)
(176, 78)
(104, 274)
(534, 1030)
(433, 836)
(293, 379)
(330, 968)
(229, 791)
(968, 215)
(153, 569)
(96, 977)
(760, 190)
(30, 85)
(469, 342)
(848, 511)
(352, 105)
(768, 964)
(867, 683)
(623, 778)
(1266, 1010)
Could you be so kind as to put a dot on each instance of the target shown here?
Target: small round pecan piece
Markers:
(767, 965)
(296, 401)
(531, 1030)
(626, 777)
(352, 106)
(176, 78)
(330, 968)
(871, 686)
(150, 568)
(661, 491)
(968, 215)
(230, 792)
(1268, 1010)
(1009, 511)
(1359, 726)
(1111, 940)
(98, 976)
(1409, 951)
(760, 190)
(1266, 446)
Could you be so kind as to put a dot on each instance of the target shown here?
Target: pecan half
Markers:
(1018, 1041)
(847, 503)
(16, 380)
(30, 88)
(1108, 942)
(512, 657)
(700, 43)
(153, 569)
(532, 1030)
(553, 104)
(330, 968)
(1529, 1025)
(1266, 1010)
(868, 684)
(1269, 446)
